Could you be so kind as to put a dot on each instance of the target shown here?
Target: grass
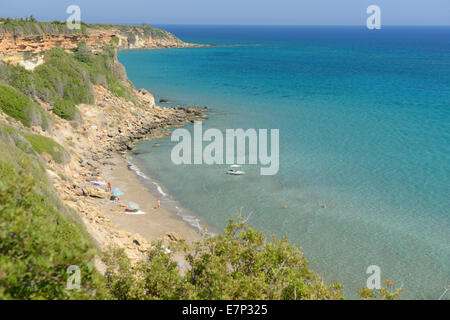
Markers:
(42, 144)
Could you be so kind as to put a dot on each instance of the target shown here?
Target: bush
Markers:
(115, 40)
(64, 77)
(29, 26)
(20, 107)
(240, 264)
(41, 144)
(15, 104)
(15, 138)
(83, 54)
(65, 109)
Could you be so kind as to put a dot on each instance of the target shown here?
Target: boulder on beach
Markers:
(93, 192)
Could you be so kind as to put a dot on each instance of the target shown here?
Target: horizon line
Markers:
(244, 24)
(273, 25)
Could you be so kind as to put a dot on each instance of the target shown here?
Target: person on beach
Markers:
(109, 187)
(159, 204)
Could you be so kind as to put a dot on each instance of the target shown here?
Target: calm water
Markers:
(364, 120)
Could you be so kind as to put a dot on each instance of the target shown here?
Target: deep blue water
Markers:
(364, 118)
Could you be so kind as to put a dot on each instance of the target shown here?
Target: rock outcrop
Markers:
(19, 47)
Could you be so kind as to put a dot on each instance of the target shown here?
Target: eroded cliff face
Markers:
(28, 50)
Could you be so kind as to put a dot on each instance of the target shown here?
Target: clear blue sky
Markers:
(278, 12)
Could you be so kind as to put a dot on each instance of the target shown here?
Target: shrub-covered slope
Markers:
(66, 79)
(39, 236)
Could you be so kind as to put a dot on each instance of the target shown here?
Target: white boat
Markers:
(234, 171)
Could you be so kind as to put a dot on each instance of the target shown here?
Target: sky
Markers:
(235, 12)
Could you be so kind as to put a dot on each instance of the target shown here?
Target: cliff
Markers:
(24, 42)
(61, 126)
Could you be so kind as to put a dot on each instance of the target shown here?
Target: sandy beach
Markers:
(153, 225)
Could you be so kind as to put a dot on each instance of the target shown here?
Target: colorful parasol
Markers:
(133, 206)
(116, 192)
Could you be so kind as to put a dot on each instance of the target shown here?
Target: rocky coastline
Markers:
(95, 140)
(96, 143)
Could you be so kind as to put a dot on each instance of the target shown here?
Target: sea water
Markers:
(364, 120)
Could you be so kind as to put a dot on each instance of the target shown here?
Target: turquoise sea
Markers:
(364, 120)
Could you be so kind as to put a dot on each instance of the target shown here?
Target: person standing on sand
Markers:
(109, 187)
(159, 204)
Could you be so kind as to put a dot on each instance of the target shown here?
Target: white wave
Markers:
(191, 220)
(158, 187)
(136, 170)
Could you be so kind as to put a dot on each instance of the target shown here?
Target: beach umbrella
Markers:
(98, 182)
(116, 192)
(133, 206)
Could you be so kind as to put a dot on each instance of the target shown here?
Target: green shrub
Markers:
(239, 264)
(37, 242)
(20, 107)
(83, 54)
(30, 26)
(115, 40)
(65, 109)
(41, 144)
(64, 77)
(15, 138)
(15, 104)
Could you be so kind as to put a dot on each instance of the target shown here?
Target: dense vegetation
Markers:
(29, 26)
(146, 31)
(22, 108)
(66, 79)
(33, 144)
(65, 109)
(39, 236)
(239, 264)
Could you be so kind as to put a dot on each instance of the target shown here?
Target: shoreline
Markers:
(108, 130)
(181, 213)
(156, 223)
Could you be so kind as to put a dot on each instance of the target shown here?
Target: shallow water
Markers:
(364, 127)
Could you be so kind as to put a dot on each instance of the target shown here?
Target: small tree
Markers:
(384, 293)
(239, 264)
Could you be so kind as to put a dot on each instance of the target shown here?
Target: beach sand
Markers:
(156, 223)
